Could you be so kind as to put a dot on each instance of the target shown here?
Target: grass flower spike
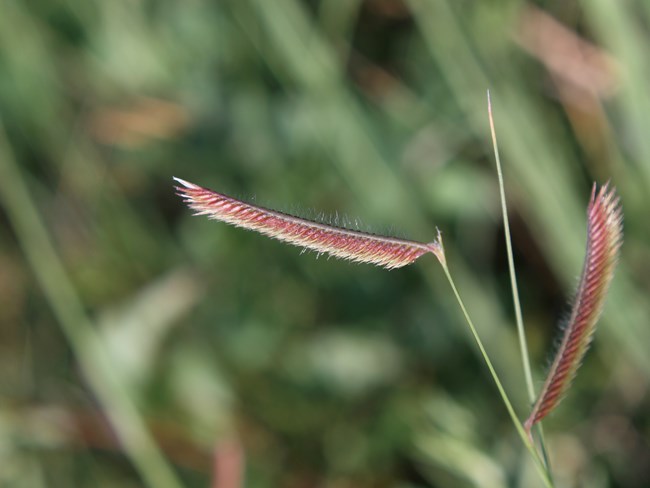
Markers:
(336, 241)
(604, 238)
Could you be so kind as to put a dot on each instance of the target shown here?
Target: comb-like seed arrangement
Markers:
(339, 242)
(604, 239)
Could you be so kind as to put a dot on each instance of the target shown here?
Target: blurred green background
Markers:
(140, 346)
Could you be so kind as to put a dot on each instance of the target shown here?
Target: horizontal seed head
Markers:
(339, 242)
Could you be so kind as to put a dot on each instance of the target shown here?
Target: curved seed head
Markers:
(604, 239)
(343, 243)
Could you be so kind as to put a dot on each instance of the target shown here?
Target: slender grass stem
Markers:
(525, 360)
(539, 429)
(77, 327)
(521, 331)
(539, 464)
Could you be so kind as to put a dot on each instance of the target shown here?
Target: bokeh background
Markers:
(141, 346)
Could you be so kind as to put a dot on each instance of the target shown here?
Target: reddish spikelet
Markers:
(341, 243)
(604, 239)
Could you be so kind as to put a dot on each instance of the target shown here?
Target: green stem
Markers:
(521, 331)
(68, 309)
(511, 265)
(504, 396)
(542, 444)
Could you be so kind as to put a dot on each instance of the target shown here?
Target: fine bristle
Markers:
(186, 184)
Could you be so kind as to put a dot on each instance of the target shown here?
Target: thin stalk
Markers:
(69, 311)
(539, 465)
(539, 429)
(521, 331)
(525, 360)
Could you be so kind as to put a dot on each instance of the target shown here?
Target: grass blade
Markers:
(511, 265)
(90, 352)
(521, 331)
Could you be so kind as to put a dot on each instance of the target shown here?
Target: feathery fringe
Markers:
(604, 239)
(341, 243)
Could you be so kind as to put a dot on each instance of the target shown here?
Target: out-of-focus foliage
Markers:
(238, 351)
